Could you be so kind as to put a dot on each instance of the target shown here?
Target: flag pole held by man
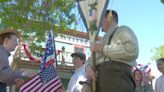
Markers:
(47, 79)
(115, 54)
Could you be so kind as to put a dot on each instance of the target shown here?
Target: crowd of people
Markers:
(116, 54)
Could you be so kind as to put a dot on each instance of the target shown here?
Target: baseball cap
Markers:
(79, 54)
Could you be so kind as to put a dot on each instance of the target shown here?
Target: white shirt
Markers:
(74, 85)
(159, 85)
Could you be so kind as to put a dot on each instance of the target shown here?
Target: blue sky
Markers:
(146, 18)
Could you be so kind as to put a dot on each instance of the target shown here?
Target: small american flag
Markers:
(49, 55)
(46, 80)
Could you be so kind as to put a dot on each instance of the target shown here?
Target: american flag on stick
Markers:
(46, 80)
(49, 55)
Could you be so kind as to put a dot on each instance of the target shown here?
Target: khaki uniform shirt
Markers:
(122, 48)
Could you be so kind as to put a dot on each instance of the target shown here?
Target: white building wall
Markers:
(71, 44)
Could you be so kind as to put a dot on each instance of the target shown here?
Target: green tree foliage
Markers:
(158, 52)
(162, 1)
(34, 18)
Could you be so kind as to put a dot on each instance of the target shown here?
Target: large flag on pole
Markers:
(49, 55)
(46, 80)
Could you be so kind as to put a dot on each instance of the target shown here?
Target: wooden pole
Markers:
(94, 69)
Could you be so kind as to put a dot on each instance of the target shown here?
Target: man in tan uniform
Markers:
(115, 54)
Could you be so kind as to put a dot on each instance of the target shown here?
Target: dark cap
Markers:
(80, 55)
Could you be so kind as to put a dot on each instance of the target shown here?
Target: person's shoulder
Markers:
(2, 49)
(160, 77)
(124, 28)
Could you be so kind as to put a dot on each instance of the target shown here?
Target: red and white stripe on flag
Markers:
(45, 81)
(35, 85)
